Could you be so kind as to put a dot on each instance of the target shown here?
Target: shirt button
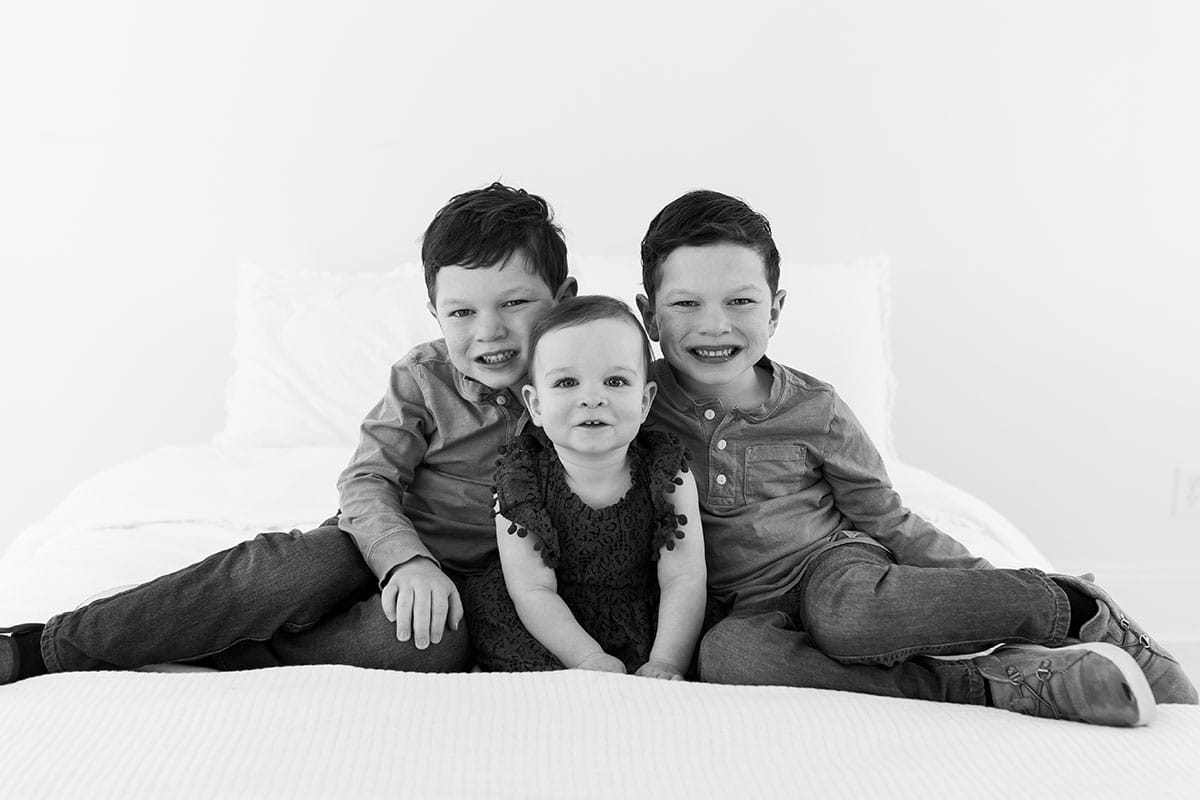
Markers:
(722, 480)
(721, 445)
(501, 400)
(709, 413)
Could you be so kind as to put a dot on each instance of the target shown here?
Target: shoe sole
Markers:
(1135, 679)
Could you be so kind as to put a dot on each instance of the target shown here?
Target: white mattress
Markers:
(340, 732)
(303, 732)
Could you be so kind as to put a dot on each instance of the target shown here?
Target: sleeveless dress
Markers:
(604, 560)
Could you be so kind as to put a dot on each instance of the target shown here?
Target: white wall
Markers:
(1030, 167)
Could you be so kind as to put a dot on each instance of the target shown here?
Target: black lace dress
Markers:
(604, 560)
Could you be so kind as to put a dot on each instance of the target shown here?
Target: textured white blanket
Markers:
(341, 732)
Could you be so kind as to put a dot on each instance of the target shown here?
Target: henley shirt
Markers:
(780, 482)
(420, 481)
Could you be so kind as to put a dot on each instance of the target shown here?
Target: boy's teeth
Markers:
(497, 358)
(714, 352)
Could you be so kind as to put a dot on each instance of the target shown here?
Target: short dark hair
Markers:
(703, 217)
(586, 308)
(486, 226)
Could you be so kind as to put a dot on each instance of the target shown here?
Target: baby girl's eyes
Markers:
(565, 383)
(615, 382)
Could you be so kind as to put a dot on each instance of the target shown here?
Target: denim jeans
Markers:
(860, 622)
(278, 599)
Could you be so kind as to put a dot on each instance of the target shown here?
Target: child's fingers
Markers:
(437, 617)
(420, 618)
(456, 609)
(404, 615)
(387, 598)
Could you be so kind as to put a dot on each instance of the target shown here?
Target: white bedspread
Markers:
(341, 732)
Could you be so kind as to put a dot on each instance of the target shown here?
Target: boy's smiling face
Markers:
(487, 313)
(712, 316)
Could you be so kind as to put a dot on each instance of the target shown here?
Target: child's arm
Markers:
(682, 581)
(534, 591)
(863, 492)
(414, 591)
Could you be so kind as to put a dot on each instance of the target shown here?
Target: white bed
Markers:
(305, 371)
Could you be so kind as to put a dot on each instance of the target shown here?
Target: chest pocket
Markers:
(774, 470)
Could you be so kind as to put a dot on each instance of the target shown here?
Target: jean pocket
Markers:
(774, 470)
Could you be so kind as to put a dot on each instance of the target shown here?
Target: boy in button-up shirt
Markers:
(825, 579)
(416, 498)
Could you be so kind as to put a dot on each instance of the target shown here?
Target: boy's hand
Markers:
(657, 668)
(602, 662)
(421, 600)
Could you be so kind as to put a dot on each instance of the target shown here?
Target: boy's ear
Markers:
(647, 311)
(529, 395)
(648, 395)
(568, 288)
(776, 309)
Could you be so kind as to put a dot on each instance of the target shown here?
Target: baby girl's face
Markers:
(590, 392)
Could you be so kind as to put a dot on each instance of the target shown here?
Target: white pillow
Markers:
(835, 327)
(312, 350)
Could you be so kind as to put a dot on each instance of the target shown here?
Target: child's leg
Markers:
(359, 636)
(860, 607)
(764, 646)
(277, 584)
(1094, 683)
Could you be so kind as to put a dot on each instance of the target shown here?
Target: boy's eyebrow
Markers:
(505, 295)
(746, 287)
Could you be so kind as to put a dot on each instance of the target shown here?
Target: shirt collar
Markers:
(669, 386)
(476, 392)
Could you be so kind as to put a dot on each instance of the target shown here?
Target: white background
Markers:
(1031, 168)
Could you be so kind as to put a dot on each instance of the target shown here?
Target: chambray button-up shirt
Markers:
(784, 481)
(420, 481)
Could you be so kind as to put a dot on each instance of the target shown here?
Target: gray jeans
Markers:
(278, 599)
(859, 622)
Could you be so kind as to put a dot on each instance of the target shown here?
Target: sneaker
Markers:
(10, 657)
(1087, 682)
(1111, 625)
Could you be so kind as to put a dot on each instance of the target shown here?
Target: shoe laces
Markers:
(1040, 692)
(1134, 640)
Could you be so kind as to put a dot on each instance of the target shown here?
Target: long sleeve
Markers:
(863, 492)
(392, 443)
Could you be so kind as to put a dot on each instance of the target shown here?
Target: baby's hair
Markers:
(486, 226)
(587, 308)
(703, 217)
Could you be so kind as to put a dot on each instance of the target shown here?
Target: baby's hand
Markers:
(657, 668)
(602, 662)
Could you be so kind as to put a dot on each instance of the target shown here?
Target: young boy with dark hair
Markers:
(826, 580)
(415, 499)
